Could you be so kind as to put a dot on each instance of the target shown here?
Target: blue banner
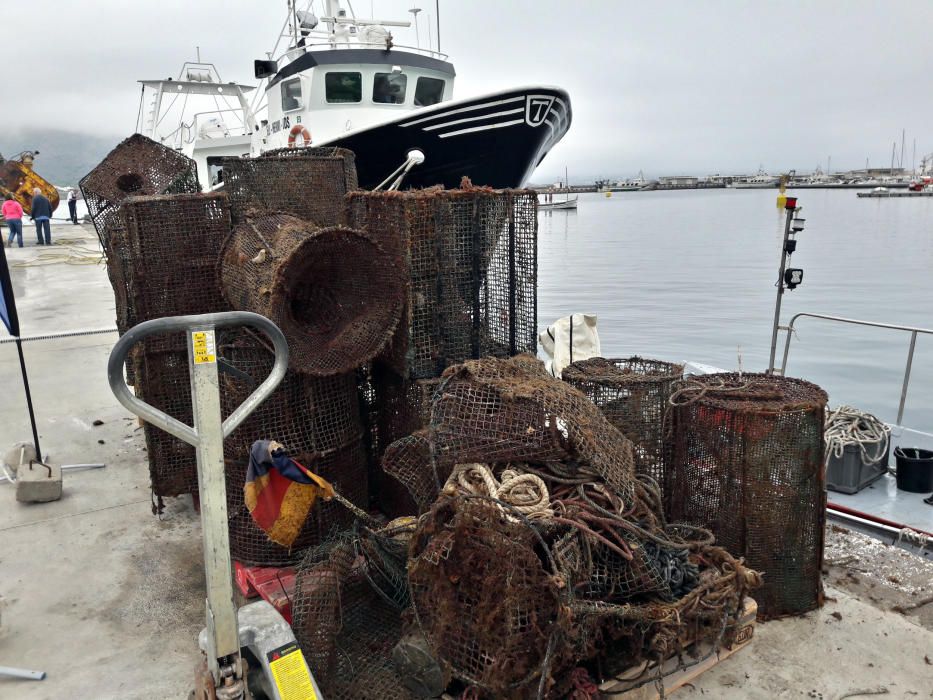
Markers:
(7, 302)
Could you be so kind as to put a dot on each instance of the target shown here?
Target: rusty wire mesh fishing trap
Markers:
(333, 292)
(137, 167)
(634, 393)
(471, 255)
(308, 183)
(748, 466)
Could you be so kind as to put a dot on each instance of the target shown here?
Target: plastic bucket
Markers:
(914, 469)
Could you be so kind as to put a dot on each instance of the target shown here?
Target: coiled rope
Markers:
(849, 426)
(527, 493)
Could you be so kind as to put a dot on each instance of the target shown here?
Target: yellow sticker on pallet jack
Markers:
(290, 673)
(203, 345)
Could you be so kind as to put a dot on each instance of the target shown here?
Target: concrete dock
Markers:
(108, 599)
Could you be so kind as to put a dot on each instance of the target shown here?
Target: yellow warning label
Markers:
(291, 674)
(203, 343)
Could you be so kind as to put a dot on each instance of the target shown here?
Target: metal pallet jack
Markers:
(250, 652)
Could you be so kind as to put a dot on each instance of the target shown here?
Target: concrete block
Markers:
(20, 452)
(34, 484)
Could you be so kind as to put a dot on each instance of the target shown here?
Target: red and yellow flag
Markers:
(280, 492)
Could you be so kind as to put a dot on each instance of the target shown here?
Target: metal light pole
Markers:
(790, 209)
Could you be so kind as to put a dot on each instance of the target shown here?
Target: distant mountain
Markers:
(64, 156)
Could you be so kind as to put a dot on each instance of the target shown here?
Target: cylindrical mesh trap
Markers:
(334, 293)
(308, 183)
(748, 465)
(471, 256)
(317, 419)
(633, 393)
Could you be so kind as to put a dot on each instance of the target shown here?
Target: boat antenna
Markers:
(437, 18)
(198, 51)
(414, 11)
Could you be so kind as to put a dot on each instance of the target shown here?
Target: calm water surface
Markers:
(690, 275)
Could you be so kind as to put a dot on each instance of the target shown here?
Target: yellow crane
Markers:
(19, 179)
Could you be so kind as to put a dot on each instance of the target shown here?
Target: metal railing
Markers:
(913, 330)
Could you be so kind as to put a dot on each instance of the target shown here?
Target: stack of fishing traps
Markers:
(539, 553)
(471, 256)
(533, 532)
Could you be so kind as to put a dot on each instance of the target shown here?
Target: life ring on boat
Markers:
(299, 130)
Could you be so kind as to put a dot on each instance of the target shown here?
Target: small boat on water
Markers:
(551, 204)
(568, 203)
(343, 81)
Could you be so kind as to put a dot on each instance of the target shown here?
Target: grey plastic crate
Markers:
(850, 474)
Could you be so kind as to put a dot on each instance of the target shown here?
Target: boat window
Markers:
(291, 95)
(343, 87)
(429, 91)
(389, 88)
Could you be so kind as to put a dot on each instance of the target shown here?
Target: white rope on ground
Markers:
(849, 426)
(526, 493)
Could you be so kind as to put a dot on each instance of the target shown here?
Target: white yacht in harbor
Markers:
(760, 181)
(342, 80)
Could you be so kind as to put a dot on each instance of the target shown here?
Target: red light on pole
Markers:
(791, 203)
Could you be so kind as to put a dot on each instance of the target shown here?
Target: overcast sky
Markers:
(667, 87)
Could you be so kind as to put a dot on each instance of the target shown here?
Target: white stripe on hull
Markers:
(471, 108)
(473, 119)
(482, 128)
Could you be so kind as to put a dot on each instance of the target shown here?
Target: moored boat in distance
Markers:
(350, 85)
(760, 181)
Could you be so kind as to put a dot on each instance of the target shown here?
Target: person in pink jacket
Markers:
(13, 214)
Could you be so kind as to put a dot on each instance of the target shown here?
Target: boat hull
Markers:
(495, 140)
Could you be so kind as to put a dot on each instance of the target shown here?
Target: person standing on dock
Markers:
(42, 214)
(73, 206)
(13, 214)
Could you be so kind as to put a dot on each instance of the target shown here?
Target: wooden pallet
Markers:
(679, 679)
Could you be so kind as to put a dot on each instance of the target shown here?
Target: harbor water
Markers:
(690, 275)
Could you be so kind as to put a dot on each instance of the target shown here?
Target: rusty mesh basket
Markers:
(472, 261)
(398, 407)
(633, 393)
(316, 418)
(308, 183)
(138, 166)
(169, 244)
(748, 465)
(484, 599)
(347, 613)
(332, 291)
(507, 410)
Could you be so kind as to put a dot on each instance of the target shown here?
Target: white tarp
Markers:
(567, 340)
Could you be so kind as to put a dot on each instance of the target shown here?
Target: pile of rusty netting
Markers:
(538, 551)
(308, 183)
(138, 166)
(317, 419)
(332, 291)
(634, 394)
(748, 466)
